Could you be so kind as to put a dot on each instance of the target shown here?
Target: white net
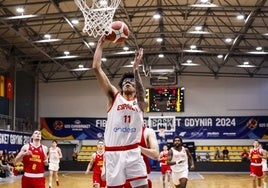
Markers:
(99, 16)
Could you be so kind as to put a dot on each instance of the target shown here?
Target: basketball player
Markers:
(54, 156)
(149, 149)
(165, 168)
(34, 158)
(178, 158)
(96, 164)
(264, 167)
(123, 129)
(255, 155)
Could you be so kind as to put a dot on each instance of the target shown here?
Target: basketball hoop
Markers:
(98, 17)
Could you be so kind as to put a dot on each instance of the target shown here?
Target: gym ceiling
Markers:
(218, 38)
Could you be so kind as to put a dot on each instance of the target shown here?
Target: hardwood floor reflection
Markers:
(202, 180)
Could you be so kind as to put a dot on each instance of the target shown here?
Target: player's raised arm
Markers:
(103, 80)
(140, 91)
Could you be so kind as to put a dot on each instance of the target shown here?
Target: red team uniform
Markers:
(256, 162)
(97, 168)
(163, 162)
(34, 168)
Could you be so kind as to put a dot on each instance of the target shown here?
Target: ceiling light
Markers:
(162, 70)
(124, 52)
(159, 39)
(66, 57)
(199, 32)
(161, 55)
(80, 66)
(20, 10)
(157, 16)
(81, 69)
(246, 65)
(240, 17)
(103, 59)
(194, 51)
(75, 21)
(125, 48)
(193, 47)
(204, 5)
(47, 36)
(258, 52)
(198, 28)
(91, 43)
(189, 62)
(20, 17)
(66, 53)
(46, 40)
(220, 56)
(259, 48)
(228, 40)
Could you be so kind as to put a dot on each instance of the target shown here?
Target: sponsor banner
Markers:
(166, 127)
(12, 141)
(72, 128)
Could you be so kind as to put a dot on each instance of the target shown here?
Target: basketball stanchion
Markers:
(98, 16)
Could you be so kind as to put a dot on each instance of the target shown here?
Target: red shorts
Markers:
(165, 169)
(256, 171)
(27, 182)
(127, 184)
(97, 180)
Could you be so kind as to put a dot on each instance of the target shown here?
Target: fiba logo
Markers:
(58, 125)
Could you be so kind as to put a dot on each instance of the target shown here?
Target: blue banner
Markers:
(166, 127)
(12, 141)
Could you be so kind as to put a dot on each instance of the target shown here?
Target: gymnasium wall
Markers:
(204, 96)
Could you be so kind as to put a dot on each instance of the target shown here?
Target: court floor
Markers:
(201, 180)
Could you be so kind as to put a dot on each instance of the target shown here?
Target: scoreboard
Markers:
(170, 99)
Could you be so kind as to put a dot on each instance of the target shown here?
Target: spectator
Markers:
(198, 158)
(217, 154)
(244, 156)
(207, 157)
(75, 154)
(225, 153)
(5, 166)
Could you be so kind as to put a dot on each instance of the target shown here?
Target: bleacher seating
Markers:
(234, 152)
(86, 152)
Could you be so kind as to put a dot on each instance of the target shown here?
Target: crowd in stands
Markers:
(7, 167)
(221, 153)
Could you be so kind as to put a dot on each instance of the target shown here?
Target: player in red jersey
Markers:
(165, 168)
(34, 158)
(149, 149)
(96, 164)
(255, 156)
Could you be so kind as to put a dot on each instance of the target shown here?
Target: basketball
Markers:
(119, 32)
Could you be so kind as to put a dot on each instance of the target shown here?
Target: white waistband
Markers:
(33, 175)
(256, 164)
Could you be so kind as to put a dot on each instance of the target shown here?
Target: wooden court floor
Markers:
(79, 179)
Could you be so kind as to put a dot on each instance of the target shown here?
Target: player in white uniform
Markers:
(264, 167)
(54, 156)
(178, 158)
(123, 160)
